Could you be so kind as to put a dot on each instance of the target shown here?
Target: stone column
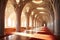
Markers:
(2, 16)
(27, 22)
(32, 22)
(57, 19)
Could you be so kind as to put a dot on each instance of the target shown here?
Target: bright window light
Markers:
(35, 16)
(42, 12)
(40, 8)
(9, 22)
(17, 1)
(37, 2)
(32, 13)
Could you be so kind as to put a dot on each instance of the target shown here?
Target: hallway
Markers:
(29, 19)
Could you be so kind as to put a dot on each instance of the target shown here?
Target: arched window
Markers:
(10, 16)
(24, 15)
(23, 20)
(12, 20)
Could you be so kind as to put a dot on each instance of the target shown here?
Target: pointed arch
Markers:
(10, 16)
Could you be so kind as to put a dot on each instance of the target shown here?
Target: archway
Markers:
(55, 17)
(10, 19)
(48, 9)
(10, 16)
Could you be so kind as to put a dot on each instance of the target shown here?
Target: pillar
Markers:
(35, 23)
(38, 23)
(32, 22)
(18, 21)
(57, 18)
(27, 22)
(18, 10)
(2, 16)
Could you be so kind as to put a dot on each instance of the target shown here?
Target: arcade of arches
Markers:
(24, 15)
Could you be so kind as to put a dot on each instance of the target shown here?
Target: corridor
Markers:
(29, 19)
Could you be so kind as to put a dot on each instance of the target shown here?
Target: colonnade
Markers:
(18, 10)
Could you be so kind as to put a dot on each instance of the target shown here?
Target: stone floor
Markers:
(44, 31)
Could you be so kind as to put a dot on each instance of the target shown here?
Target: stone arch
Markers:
(10, 15)
(25, 14)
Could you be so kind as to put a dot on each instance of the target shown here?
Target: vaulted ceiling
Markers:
(42, 8)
